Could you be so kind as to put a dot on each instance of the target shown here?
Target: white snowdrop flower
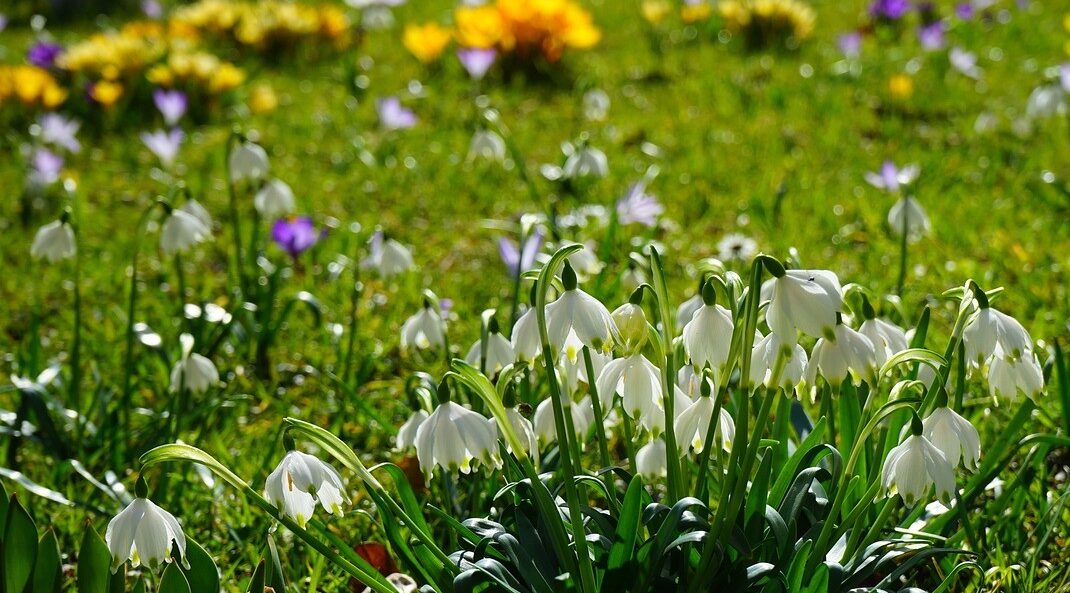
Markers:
(402, 583)
(1046, 101)
(487, 144)
(1007, 377)
(990, 330)
(954, 436)
(406, 437)
(687, 309)
(595, 104)
(575, 310)
(574, 368)
(736, 247)
(692, 426)
(144, 534)
(888, 338)
(299, 482)
(248, 162)
(690, 380)
(452, 438)
(915, 465)
(54, 241)
(424, 330)
(707, 337)
(851, 352)
(654, 422)
(181, 231)
(803, 300)
(637, 381)
(388, 256)
(524, 430)
(764, 358)
(198, 211)
(651, 461)
(586, 161)
(275, 200)
(193, 372)
(584, 262)
(909, 212)
(499, 354)
(582, 419)
(526, 342)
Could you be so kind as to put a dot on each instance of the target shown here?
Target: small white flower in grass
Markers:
(586, 161)
(181, 230)
(888, 338)
(274, 200)
(637, 381)
(595, 104)
(198, 211)
(956, 438)
(54, 241)
(582, 419)
(687, 309)
(402, 583)
(736, 247)
(651, 461)
(144, 534)
(524, 430)
(164, 144)
(891, 178)
(585, 262)
(453, 437)
(527, 345)
(1007, 377)
(192, 372)
(299, 482)
(424, 330)
(802, 300)
(575, 310)
(764, 358)
(248, 162)
(851, 352)
(707, 337)
(487, 144)
(991, 330)
(692, 425)
(499, 352)
(915, 465)
(907, 211)
(388, 256)
(406, 437)
(965, 62)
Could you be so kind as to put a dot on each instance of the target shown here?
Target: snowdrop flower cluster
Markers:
(585, 161)
(999, 341)
(301, 480)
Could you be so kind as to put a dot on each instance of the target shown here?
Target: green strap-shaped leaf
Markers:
(20, 547)
(202, 575)
(3, 510)
(256, 584)
(94, 563)
(173, 581)
(275, 577)
(46, 572)
(627, 532)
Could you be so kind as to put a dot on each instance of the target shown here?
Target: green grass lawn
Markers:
(770, 144)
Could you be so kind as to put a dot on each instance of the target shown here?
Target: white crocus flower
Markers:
(144, 534)
(452, 438)
(193, 372)
(275, 200)
(954, 436)
(54, 241)
(406, 437)
(650, 461)
(299, 482)
(575, 310)
(764, 359)
(248, 161)
(586, 161)
(915, 465)
(637, 381)
(525, 431)
(803, 300)
(499, 354)
(990, 330)
(582, 419)
(486, 144)
(693, 425)
(423, 330)
(1008, 377)
(707, 337)
(908, 211)
(181, 231)
(851, 352)
(527, 345)
(888, 338)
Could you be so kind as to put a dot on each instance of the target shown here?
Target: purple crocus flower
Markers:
(964, 10)
(850, 44)
(61, 131)
(523, 259)
(171, 104)
(43, 54)
(444, 305)
(164, 144)
(891, 177)
(45, 166)
(891, 10)
(393, 115)
(152, 9)
(477, 61)
(931, 36)
(294, 234)
(1064, 77)
(639, 206)
(3, 21)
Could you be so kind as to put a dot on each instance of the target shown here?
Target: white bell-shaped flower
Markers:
(803, 300)
(851, 352)
(586, 161)
(691, 380)
(687, 309)
(424, 330)
(908, 212)
(582, 419)
(651, 461)
(198, 211)
(453, 437)
(956, 438)
(888, 338)
(637, 381)
(1007, 377)
(764, 360)
(299, 482)
(144, 534)
(406, 437)
(654, 422)
(990, 330)
(487, 144)
(526, 342)
(692, 426)
(915, 465)
(388, 256)
(707, 337)
(54, 241)
(499, 354)
(248, 161)
(585, 262)
(575, 310)
(275, 200)
(631, 325)
(574, 368)
(524, 430)
(181, 230)
(193, 372)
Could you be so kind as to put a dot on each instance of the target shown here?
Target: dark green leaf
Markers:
(94, 563)
(202, 574)
(20, 547)
(46, 573)
(173, 581)
(256, 584)
(623, 549)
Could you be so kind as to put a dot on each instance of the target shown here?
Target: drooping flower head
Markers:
(575, 310)
(180, 231)
(193, 372)
(299, 482)
(802, 300)
(248, 162)
(274, 199)
(453, 438)
(915, 465)
(144, 534)
(54, 241)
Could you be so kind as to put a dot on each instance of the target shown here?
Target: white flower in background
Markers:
(690, 381)
(891, 178)
(192, 372)
(595, 105)
(907, 211)
(954, 436)
(61, 131)
(406, 437)
(965, 62)
(181, 230)
(525, 432)
(248, 162)
(736, 247)
(402, 583)
(803, 300)
(299, 482)
(487, 144)
(198, 211)
(764, 358)
(1008, 377)
(888, 338)
(144, 534)
(851, 352)
(654, 423)
(574, 367)
(1046, 101)
(165, 144)
(650, 461)
(582, 419)
(388, 256)
(637, 381)
(692, 426)
(526, 342)
(499, 354)
(275, 200)
(687, 309)
(992, 332)
(54, 241)
(424, 330)
(585, 161)
(707, 337)
(585, 261)
(452, 438)
(915, 465)
(575, 310)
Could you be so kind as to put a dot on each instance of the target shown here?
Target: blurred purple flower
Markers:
(892, 10)
(477, 61)
(850, 44)
(43, 54)
(444, 305)
(394, 116)
(164, 144)
(639, 206)
(890, 177)
(171, 104)
(964, 10)
(59, 130)
(45, 166)
(1064, 77)
(931, 36)
(295, 234)
(3, 21)
(152, 9)
(520, 260)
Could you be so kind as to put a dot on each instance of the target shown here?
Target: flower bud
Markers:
(632, 326)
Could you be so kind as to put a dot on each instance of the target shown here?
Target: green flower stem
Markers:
(901, 281)
(354, 309)
(668, 382)
(76, 352)
(596, 403)
(702, 481)
(235, 216)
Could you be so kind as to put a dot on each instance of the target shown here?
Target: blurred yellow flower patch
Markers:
(426, 42)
